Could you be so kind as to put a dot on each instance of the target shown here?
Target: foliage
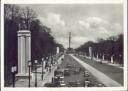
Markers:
(112, 46)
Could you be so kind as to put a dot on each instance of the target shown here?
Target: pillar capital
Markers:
(26, 33)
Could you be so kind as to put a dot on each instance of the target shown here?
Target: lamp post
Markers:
(42, 67)
(29, 65)
(35, 73)
(13, 70)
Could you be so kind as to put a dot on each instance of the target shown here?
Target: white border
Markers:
(62, 1)
(124, 2)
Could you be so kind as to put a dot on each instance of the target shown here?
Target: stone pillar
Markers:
(19, 55)
(57, 50)
(112, 59)
(28, 50)
(24, 51)
(97, 56)
(103, 57)
(90, 52)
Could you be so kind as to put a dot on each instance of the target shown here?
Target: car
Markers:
(66, 72)
(68, 66)
(58, 67)
(58, 80)
(101, 85)
(50, 85)
(62, 84)
(73, 84)
(82, 69)
(59, 72)
(87, 83)
(86, 74)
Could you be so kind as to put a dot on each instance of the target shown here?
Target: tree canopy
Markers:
(112, 46)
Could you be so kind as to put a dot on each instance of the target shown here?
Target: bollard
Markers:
(35, 73)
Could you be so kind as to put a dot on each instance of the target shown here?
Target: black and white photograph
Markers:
(64, 45)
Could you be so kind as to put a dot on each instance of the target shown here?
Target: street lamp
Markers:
(13, 70)
(35, 73)
(42, 67)
(29, 65)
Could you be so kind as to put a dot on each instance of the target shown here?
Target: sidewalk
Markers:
(112, 72)
(48, 76)
(107, 62)
(103, 61)
(40, 83)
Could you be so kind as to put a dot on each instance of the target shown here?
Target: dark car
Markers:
(87, 83)
(66, 72)
(86, 74)
(59, 72)
(58, 80)
(73, 84)
(68, 66)
(50, 85)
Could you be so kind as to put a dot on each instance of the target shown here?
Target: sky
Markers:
(86, 22)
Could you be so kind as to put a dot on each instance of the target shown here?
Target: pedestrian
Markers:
(52, 60)
(44, 63)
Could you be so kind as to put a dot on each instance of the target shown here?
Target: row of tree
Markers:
(43, 43)
(112, 46)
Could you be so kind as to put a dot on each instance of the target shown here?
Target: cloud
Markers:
(55, 19)
(52, 19)
(94, 21)
(82, 30)
(97, 27)
(84, 24)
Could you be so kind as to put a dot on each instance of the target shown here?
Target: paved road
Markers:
(68, 60)
(98, 74)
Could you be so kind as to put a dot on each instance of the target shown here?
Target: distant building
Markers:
(70, 51)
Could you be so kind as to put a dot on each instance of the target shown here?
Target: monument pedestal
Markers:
(24, 53)
(23, 76)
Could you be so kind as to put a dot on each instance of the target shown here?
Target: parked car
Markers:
(73, 84)
(50, 85)
(62, 84)
(87, 83)
(58, 80)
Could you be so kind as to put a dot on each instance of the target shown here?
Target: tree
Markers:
(27, 15)
(11, 12)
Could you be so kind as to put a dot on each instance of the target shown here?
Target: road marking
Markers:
(107, 81)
